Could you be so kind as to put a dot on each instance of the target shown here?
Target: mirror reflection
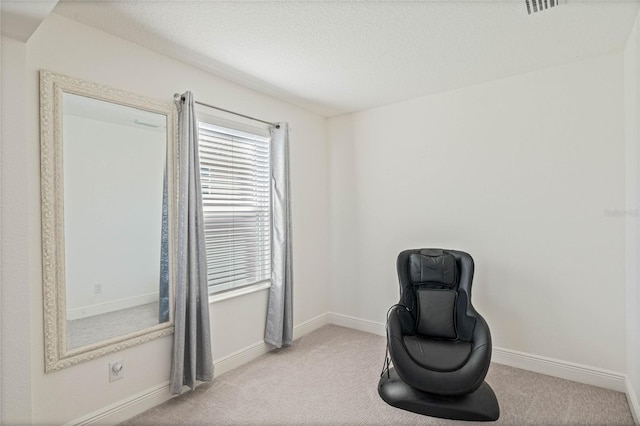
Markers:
(114, 160)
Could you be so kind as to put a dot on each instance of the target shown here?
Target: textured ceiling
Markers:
(344, 56)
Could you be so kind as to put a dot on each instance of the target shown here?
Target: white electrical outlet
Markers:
(97, 288)
(116, 370)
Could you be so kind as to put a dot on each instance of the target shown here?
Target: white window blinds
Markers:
(234, 170)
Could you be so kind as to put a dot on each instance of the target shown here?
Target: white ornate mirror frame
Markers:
(52, 87)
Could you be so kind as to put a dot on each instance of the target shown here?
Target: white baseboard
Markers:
(348, 321)
(632, 399)
(240, 357)
(136, 404)
(111, 306)
(559, 368)
(310, 325)
(550, 366)
(127, 408)
(251, 352)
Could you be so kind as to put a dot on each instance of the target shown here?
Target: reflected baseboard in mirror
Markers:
(107, 173)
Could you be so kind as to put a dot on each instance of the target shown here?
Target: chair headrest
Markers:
(433, 266)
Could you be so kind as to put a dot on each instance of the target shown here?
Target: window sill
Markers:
(224, 295)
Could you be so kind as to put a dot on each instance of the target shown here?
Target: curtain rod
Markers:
(277, 126)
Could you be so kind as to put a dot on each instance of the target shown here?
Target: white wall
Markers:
(632, 216)
(519, 172)
(15, 352)
(66, 47)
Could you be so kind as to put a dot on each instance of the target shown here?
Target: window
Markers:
(235, 176)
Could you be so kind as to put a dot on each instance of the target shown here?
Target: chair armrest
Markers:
(482, 334)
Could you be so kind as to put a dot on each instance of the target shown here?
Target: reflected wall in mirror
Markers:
(107, 212)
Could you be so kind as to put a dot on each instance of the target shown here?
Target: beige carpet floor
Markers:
(330, 377)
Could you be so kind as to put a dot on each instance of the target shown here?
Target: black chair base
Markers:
(481, 405)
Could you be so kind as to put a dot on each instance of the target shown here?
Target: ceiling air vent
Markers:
(535, 6)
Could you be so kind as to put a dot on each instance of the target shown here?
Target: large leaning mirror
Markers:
(107, 164)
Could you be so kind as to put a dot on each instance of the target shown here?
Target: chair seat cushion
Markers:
(438, 355)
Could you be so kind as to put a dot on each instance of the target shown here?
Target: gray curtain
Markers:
(163, 296)
(191, 341)
(279, 328)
